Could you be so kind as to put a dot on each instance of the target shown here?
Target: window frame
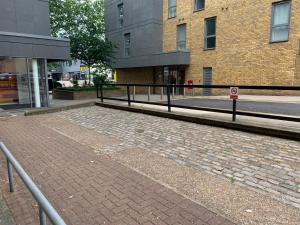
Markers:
(121, 24)
(125, 45)
(177, 41)
(210, 36)
(274, 4)
(195, 4)
(171, 7)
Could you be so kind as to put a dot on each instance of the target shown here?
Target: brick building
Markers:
(241, 42)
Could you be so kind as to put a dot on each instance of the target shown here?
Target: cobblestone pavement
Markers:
(265, 164)
(85, 188)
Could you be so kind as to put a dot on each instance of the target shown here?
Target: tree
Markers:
(82, 21)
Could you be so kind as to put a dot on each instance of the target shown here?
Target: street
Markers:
(291, 109)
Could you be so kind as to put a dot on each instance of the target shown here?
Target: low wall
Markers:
(81, 95)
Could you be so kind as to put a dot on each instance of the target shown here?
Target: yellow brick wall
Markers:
(243, 54)
(145, 75)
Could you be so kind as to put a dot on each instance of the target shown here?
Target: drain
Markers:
(140, 131)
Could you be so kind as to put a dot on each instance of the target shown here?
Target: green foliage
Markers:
(82, 21)
(56, 85)
(75, 83)
(100, 77)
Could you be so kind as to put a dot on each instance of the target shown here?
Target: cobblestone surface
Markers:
(87, 189)
(261, 163)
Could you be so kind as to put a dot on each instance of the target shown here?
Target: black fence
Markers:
(168, 91)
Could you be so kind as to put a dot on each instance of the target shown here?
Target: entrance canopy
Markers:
(33, 46)
(160, 59)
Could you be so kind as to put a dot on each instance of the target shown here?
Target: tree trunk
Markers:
(89, 75)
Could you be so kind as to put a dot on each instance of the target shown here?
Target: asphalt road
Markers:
(262, 107)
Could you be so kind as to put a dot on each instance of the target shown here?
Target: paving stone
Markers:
(86, 188)
(273, 161)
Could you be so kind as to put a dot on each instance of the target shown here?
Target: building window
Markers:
(210, 33)
(172, 8)
(127, 44)
(121, 14)
(199, 5)
(280, 21)
(181, 37)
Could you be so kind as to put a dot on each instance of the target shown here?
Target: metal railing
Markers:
(45, 208)
(170, 93)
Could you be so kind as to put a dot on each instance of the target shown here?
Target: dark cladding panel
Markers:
(143, 19)
(25, 16)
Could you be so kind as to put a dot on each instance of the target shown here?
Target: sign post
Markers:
(234, 95)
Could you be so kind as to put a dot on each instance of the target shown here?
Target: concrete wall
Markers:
(142, 19)
(243, 54)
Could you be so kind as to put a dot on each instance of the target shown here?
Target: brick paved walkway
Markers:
(88, 189)
(262, 163)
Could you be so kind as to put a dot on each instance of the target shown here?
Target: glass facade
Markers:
(17, 84)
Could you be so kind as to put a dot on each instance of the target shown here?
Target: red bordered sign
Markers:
(234, 93)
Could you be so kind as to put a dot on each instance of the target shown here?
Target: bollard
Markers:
(149, 93)
(173, 91)
(133, 95)
(10, 176)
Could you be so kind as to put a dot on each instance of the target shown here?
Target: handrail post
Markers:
(43, 217)
(234, 110)
(10, 176)
(101, 92)
(149, 93)
(169, 97)
(44, 204)
(128, 95)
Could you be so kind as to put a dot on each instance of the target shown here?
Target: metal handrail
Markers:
(170, 88)
(45, 208)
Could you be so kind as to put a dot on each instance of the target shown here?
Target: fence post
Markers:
(133, 94)
(101, 92)
(10, 176)
(169, 97)
(43, 217)
(128, 95)
(234, 110)
(149, 93)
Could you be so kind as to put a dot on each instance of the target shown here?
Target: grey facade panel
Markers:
(34, 47)
(143, 19)
(25, 16)
(162, 59)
